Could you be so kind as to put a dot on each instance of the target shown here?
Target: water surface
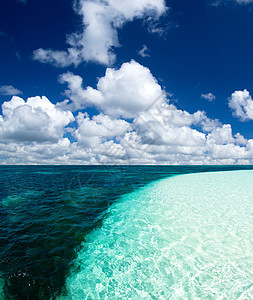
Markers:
(187, 237)
(51, 215)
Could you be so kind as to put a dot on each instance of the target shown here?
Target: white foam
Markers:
(187, 237)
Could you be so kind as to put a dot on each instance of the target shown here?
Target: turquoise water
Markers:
(115, 232)
(187, 237)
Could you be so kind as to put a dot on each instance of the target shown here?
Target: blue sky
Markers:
(199, 53)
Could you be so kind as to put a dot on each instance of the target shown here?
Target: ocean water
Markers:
(126, 232)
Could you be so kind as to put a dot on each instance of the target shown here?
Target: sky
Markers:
(126, 82)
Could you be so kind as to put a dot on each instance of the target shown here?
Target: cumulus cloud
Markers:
(241, 104)
(91, 132)
(36, 153)
(136, 124)
(9, 90)
(209, 97)
(154, 137)
(143, 51)
(222, 136)
(101, 21)
(164, 124)
(124, 92)
(36, 119)
(158, 133)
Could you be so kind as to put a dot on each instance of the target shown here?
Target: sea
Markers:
(126, 232)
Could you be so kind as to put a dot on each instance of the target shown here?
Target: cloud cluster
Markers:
(101, 21)
(34, 120)
(136, 123)
(241, 104)
(91, 132)
(124, 92)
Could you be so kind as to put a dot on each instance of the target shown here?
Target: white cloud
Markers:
(58, 58)
(9, 90)
(92, 132)
(209, 97)
(124, 92)
(160, 133)
(79, 96)
(143, 51)
(35, 153)
(36, 119)
(241, 104)
(150, 139)
(32, 131)
(221, 135)
(101, 20)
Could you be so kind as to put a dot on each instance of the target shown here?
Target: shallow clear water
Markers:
(112, 232)
(187, 237)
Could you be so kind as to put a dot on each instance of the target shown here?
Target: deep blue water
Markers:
(46, 212)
